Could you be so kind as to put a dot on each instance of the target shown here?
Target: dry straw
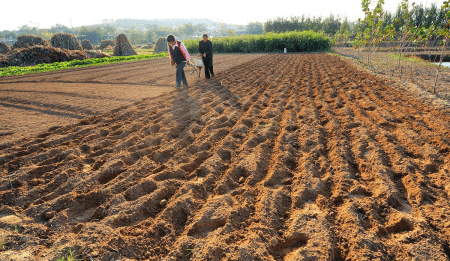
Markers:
(86, 44)
(123, 46)
(161, 45)
(65, 41)
(44, 54)
(29, 40)
(105, 43)
(4, 48)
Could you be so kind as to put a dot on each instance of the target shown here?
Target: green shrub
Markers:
(307, 41)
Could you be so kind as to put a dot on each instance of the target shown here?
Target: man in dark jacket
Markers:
(205, 51)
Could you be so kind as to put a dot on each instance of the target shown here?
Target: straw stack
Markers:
(65, 41)
(161, 45)
(29, 40)
(4, 48)
(123, 47)
(86, 44)
(105, 43)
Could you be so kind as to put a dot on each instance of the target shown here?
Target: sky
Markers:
(45, 13)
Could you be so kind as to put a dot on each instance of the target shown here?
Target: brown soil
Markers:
(35, 102)
(285, 157)
(421, 73)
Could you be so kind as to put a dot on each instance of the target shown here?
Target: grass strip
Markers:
(57, 66)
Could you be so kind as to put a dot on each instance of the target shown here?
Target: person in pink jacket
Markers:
(179, 57)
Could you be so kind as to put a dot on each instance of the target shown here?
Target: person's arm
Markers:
(200, 51)
(210, 50)
(170, 57)
(185, 51)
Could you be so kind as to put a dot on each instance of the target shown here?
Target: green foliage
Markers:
(330, 25)
(14, 70)
(270, 42)
(68, 256)
(255, 28)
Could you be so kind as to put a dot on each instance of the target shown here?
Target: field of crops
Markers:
(284, 157)
(307, 41)
(44, 67)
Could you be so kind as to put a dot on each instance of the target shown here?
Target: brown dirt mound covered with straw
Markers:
(65, 41)
(86, 44)
(105, 43)
(286, 157)
(4, 48)
(39, 54)
(123, 47)
(161, 45)
(29, 40)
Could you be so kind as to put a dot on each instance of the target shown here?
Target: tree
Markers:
(150, 36)
(135, 35)
(201, 28)
(9, 34)
(93, 34)
(187, 29)
(372, 23)
(255, 28)
(163, 31)
(443, 32)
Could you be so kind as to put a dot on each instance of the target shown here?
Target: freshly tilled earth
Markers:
(286, 157)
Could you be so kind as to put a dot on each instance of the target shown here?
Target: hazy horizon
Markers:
(45, 14)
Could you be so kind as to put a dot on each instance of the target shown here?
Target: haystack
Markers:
(86, 44)
(4, 48)
(123, 47)
(161, 45)
(44, 54)
(105, 43)
(29, 40)
(65, 41)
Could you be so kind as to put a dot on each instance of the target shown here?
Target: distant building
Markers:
(8, 41)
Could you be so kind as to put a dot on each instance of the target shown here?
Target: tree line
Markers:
(432, 16)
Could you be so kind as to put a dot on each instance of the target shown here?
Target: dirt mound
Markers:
(29, 40)
(105, 43)
(65, 41)
(86, 44)
(4, 48)
(287, 157)
(39, 54)
(161, 45)
(123, 47)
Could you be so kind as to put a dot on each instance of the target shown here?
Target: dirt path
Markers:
(292, 157)
(33, 103)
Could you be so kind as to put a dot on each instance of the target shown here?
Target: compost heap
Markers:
(66, 41)
(86, 44)
(44, 54)
(105, 43)
(161, 45)
(123, 46)
(4, 48)
(29, 40)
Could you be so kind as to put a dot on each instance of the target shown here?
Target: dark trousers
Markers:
(208, 67)
(181, 77)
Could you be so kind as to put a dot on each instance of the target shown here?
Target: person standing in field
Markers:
(205, 51)
(179, 57)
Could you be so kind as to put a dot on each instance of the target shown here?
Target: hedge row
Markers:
(307, 41)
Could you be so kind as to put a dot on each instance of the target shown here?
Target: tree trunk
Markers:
(440, 64)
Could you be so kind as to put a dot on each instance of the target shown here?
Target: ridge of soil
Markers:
(284, 157)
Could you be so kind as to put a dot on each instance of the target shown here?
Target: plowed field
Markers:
(32, 103)
(286, 157)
